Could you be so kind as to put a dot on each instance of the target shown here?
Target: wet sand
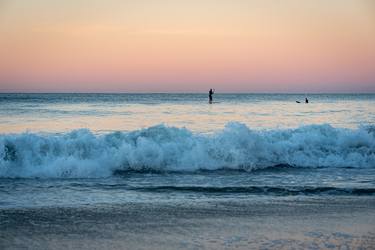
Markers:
(281, 223)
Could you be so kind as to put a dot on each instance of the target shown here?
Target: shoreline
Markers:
(309, 222)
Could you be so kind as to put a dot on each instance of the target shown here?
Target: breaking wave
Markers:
(82, 154)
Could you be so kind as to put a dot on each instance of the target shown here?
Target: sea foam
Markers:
(82, 154)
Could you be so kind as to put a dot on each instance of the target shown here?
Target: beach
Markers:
(303, 223)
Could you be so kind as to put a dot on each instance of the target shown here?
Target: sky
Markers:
(187, 46)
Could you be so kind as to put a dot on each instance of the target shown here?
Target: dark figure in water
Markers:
(210, 93)
(306, 100)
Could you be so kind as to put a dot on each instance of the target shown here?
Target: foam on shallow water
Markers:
(82, 154)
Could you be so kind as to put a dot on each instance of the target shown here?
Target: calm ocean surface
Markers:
(128, 112)
(87, 149)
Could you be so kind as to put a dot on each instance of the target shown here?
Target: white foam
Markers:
(82, 154)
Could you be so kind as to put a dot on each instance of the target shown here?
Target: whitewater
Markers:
(103, 135)
(82, 154)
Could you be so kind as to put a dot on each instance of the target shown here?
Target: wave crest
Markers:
(81, 154)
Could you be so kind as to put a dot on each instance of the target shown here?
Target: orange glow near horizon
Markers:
(177, 46)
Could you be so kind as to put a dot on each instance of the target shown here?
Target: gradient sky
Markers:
(187, 46)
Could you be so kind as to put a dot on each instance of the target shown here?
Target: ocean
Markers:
(81, 167)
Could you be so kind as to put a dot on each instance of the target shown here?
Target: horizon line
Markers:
(179, 92)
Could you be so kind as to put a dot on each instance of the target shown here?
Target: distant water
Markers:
(58, 113)
(79, 149)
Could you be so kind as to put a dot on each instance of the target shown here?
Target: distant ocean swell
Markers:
(81, 154)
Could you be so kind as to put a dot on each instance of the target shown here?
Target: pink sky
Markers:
(187, 46)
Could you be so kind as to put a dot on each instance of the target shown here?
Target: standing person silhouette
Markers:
(306, 100)
(210, 93)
